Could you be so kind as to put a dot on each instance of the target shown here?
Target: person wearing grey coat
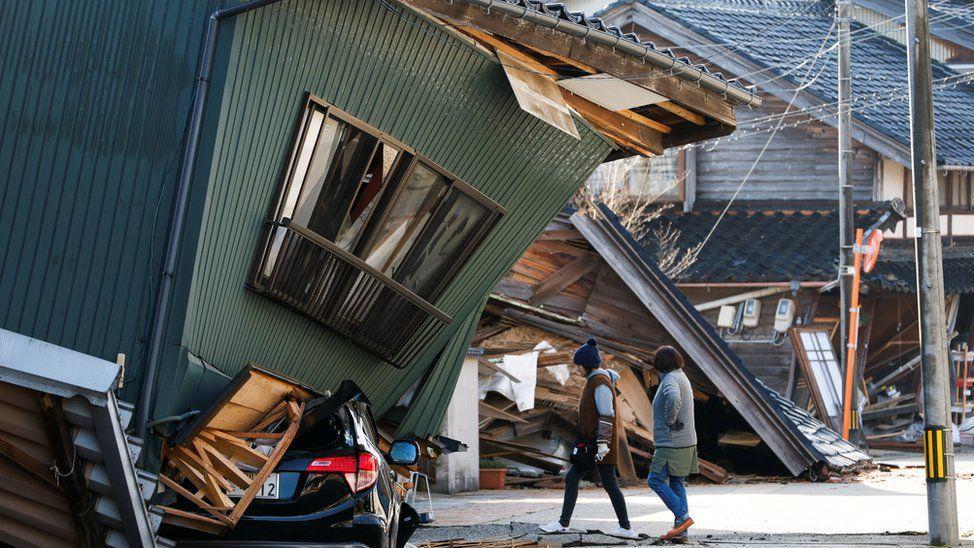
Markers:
(674, 439)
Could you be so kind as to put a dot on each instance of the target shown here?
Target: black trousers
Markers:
(608, 474)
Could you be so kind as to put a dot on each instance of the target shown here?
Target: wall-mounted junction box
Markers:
(726, 316)
(752, 313)
(784, 315)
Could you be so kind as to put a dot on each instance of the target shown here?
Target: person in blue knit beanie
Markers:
(596, 426)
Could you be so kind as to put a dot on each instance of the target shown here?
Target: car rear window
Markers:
(323, 432)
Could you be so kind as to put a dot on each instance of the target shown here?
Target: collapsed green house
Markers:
(326, 188)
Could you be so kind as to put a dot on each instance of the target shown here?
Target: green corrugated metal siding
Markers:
(428, 406)
(94, 97)
(408, 78)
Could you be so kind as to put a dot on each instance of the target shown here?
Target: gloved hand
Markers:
(603, 450)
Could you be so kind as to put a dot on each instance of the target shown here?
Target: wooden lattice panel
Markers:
(249, 428)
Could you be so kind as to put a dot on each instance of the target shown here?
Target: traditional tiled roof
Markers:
(561, 12)
(781, 35)
(781, 245)
(839, 454)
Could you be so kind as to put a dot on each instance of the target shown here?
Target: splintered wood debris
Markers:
(535, 441)
(219, 462)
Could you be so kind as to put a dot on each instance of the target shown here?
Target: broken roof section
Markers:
(68, 467)
(643, 99)
(796, 438)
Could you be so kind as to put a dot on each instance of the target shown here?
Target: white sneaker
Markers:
(619, 532)
(554, 527)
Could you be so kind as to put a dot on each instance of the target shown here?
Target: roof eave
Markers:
(685, 71)
(735, 63)
(947, 29)
(45, 367)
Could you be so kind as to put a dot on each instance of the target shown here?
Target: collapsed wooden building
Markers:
(585, 275)
(780, 275)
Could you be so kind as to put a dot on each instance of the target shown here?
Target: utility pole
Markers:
(847, 224)
(938, 445)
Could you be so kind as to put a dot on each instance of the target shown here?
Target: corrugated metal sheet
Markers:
(408, 78)
(94, 98)
(34, 507)
(429, 404)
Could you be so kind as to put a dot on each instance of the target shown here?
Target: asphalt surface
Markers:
(883, 507)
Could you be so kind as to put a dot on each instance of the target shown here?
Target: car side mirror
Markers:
(404, 453)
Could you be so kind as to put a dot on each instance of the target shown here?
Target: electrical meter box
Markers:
(784, 315)
(725, 318)
(752, 313)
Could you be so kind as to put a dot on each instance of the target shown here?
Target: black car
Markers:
(333, 485)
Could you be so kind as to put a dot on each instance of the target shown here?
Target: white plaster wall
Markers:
(891, 180)
(587, 6)
(460, 472)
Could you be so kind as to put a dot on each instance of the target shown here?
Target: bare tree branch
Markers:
(611, 184)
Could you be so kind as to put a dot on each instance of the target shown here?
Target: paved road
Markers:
(877, 508)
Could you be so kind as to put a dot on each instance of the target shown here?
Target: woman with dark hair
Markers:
(596, 424)
(674, 439)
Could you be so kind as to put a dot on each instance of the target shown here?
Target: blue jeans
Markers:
(672, 492)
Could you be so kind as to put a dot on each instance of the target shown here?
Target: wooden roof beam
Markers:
(628, 129)
(656, 79)
(682, 112)
(628, 132)
(668, 106)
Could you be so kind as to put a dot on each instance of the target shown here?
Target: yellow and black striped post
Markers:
(935, 451)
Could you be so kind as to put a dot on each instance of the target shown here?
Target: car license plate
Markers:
(269, 490)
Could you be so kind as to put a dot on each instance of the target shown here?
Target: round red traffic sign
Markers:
(871, 251)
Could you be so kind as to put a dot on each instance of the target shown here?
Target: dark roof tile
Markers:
(752, 245)
(559, 10)
(783, 34)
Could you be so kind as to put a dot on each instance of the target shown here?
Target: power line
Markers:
(767, 144)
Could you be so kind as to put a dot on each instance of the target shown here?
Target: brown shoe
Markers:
(675, 532)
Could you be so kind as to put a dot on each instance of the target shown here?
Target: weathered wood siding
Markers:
(800, 163)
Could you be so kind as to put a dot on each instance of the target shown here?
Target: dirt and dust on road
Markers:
(882, 507)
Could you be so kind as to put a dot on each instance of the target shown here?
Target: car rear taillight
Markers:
(359, 472)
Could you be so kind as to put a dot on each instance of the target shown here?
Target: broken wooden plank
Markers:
(713, 472)
(562, 278)
(493, 367)
(214, 511)
(189, 520)
(220, 462)
(555, 358)
(272, 461)
(487, 410)
(625, 465)
(635, 395)
(271, 417)
(739, 438)
(254, 435)
(232, 445)
(214, 485)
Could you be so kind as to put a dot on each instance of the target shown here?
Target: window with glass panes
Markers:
(380, 201)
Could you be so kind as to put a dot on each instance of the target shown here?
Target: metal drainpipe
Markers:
(178, 217)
